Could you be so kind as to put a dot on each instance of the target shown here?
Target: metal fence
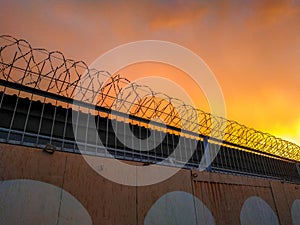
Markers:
(46, 98)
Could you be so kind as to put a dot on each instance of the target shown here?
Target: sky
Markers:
(252, 47)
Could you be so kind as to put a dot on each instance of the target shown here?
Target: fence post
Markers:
(207, 154)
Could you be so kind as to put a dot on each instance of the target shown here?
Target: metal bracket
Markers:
(49, 148)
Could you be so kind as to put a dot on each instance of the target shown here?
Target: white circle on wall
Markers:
(256, 211)
(180, 208)
(295, 212)
(29, 202)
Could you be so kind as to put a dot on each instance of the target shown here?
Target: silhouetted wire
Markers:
(52, 72)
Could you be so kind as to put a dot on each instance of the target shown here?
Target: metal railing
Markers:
(36, 123)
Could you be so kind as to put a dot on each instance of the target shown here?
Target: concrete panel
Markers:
(292, 192)
(19, 162)
(180, 208)
(292, 195)
(256, 211)
(107, 202)
(225, 195)
(282, 205)
(30, 202)
(148, 195)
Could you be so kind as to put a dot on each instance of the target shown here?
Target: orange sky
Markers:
(253, 47)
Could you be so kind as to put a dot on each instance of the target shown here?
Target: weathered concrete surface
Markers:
(148, 195)
(216, 198)
(19, 162)
(225, 194)
(107, 202)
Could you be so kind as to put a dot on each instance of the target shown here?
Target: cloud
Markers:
(176, 15)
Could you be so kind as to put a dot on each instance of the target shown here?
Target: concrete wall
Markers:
(188, 197)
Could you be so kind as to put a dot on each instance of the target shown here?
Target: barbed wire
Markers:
(52, 72)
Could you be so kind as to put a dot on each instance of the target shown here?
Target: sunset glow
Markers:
(252, 47)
